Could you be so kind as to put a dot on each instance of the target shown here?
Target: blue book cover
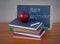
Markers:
(37, 12)
(32, 24)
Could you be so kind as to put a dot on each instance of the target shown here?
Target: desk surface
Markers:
(50, 37)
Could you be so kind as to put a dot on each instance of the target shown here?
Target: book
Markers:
(28, 31)
(28, 37)
(23, 37)
(31, 25)
(29, 34)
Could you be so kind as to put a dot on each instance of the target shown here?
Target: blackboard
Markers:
(37, 12)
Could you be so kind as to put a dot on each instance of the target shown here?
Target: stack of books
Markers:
(30, 30)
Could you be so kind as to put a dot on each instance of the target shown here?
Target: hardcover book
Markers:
(28, 31)
(28, 37)
(29, 34)
(29, 25)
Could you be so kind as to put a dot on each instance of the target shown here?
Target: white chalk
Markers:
(35, 24)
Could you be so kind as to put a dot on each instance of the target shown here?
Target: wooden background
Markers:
(50, 37)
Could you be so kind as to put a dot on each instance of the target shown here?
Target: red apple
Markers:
(23, 16)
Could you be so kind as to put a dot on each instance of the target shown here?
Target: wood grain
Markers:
(50, 37)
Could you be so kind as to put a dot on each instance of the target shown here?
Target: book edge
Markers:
(38, 36)
(22, 27)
